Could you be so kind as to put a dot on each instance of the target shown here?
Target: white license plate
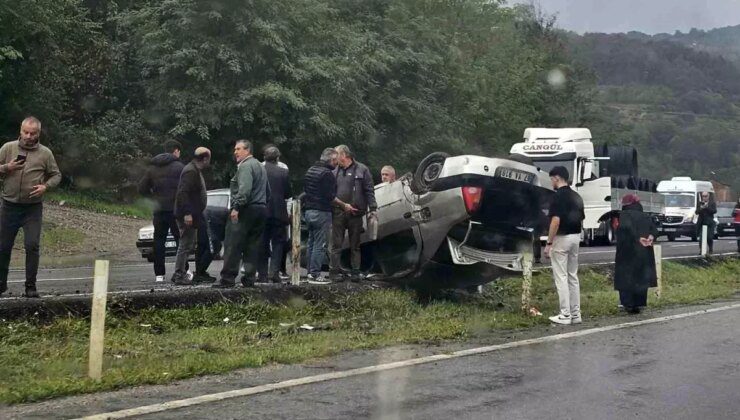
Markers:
(170, 244)
(514, 175)
(669, 229)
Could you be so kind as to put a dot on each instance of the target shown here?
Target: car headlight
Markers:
(694, 219)
(145, 235)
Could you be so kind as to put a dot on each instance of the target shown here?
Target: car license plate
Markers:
(669, 229)
(514, 175)
(170, 244)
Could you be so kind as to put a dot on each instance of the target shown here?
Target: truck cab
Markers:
(681, 200)
(600, 183)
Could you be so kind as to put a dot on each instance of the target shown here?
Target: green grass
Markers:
(40, 361)
(100, 203)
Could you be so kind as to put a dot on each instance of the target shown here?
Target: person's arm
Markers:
(188, 180)
(245, 179)
(53, 175)
(369, 189)
(711, 208)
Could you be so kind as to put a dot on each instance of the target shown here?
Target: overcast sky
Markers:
(648, 16)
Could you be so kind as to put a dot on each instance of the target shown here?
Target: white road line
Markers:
(609, 251)
(62, 279)
(211, 398)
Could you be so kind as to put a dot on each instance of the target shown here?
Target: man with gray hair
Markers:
(388, 174)
(320, 187)
(28, 171)
(356, 188)
(249, 191)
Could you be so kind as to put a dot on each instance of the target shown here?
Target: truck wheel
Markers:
(427, 172)
(611, 233)
(671, 238)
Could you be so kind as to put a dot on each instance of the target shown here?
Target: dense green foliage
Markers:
(395, 79)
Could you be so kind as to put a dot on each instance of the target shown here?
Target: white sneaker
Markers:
(561, 319)
(189, 275)
(576, 319)
(159, 279)
(317, 280)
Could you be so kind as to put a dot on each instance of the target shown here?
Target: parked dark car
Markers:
(725, 223)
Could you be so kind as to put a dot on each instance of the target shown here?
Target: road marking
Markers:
(61, 279)
(211, 398)
(609, 251)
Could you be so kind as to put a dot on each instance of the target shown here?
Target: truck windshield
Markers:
(547, 165)
(679, 200)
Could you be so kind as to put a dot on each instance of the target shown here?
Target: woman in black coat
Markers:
(634, 270)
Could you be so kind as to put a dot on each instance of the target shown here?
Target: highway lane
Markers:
(140, 277)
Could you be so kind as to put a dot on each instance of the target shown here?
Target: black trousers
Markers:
(273, 242)
(14, 217)
(164, 223)
(341, 223)
(243, 240)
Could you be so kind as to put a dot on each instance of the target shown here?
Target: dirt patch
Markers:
(76, 237)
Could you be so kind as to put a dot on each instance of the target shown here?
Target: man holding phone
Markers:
(28, 170)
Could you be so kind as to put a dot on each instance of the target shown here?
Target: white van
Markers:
(682, 196)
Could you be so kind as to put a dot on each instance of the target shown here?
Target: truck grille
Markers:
(673, 219)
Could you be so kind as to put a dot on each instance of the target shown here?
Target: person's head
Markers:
(173, 147)
(388, 174)
(242, 150)
(30, 131)
(271, 154)
(630, 200)
(202, 158)
(329, 156)
(705, 196)
(559, 176)
(344, 156)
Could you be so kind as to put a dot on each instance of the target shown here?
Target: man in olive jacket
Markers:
(28, 170)
(190, 204)
(249, 193)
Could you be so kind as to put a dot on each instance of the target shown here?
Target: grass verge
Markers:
(101, 204)
(40, 361)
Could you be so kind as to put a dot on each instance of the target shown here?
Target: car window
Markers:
(218, 200)
(724, 211)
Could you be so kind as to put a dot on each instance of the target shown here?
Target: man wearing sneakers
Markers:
(563, 239)
(160, 184)
(190, 204)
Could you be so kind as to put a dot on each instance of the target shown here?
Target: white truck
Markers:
(601, 176)
(681, 200)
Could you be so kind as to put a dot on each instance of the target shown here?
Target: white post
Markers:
(527, 258)
(704, 240)
(658, 250)
(97, 321)
(295, 232)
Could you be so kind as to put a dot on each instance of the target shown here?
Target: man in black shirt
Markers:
(563, 240)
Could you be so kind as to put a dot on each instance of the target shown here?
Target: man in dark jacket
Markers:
(249, 193)
(706, 211)
(320, 186)
(275, 234)
(160, 183)
(634, 265)
(190, 205)
(355, 187)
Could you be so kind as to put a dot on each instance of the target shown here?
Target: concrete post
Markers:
(97, 321)
(704, 243)
(658, 250)
(295, 278)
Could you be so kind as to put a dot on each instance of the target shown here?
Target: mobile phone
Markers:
(20, 158)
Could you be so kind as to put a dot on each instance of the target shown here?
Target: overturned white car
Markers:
(457, 221)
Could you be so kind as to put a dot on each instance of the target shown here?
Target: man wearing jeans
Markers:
(563, 239)
(320, 195)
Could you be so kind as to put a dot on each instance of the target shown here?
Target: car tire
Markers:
(427, 172)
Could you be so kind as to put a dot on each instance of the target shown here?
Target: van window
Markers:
(679, 200)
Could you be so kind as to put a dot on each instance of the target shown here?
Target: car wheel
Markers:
(427, 172)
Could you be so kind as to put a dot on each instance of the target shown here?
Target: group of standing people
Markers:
(634, 270)
(339, 193)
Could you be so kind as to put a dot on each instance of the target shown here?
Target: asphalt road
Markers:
(684, 366)
(140, 277)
